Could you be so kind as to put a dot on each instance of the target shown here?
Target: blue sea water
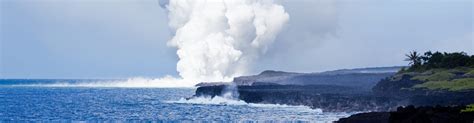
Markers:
(27, 100)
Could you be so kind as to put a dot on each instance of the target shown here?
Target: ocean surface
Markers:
(60, 100)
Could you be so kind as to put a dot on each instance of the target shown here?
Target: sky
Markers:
(128, 38)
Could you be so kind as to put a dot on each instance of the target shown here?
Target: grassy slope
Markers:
(469, 108)
(458, 79)
(470, 73)
(451, 85)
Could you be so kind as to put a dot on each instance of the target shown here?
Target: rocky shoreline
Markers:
(426, 105)
(332, 91)
(412, 114)
(326, 97)
(383, 95)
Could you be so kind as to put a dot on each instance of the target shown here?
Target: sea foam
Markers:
(224, 101)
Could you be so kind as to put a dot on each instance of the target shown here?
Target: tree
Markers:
(426, 58)
(414, 58)
(437, 59)
(471, 61)
(455, 59)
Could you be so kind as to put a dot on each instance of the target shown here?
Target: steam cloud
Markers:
(217, 40)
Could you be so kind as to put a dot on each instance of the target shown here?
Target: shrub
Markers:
(469, 108)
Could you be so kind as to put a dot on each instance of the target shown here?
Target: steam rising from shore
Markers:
(217, 40)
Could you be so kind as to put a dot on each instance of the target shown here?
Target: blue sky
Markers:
(127, 38)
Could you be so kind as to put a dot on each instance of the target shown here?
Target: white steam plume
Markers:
(217, 40)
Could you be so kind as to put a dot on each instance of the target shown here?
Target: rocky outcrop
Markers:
(410, 114)
(370, 117)
(364, 81)
(340, 90)
(330, 98)
(363, 78)
(402, 90)
(268, 76)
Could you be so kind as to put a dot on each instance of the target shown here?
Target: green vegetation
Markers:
(469, 108)
(453, 85)
(430, 60)
(437, 76)
(440, 71)
(469, 74)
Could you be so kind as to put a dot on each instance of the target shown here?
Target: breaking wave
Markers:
(222, 100)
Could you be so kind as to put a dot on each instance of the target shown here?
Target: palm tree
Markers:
(414, 58)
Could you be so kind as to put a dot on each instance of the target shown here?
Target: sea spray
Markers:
(231, 91)
(220, 100)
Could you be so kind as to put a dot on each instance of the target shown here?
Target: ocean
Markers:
(58, 101)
